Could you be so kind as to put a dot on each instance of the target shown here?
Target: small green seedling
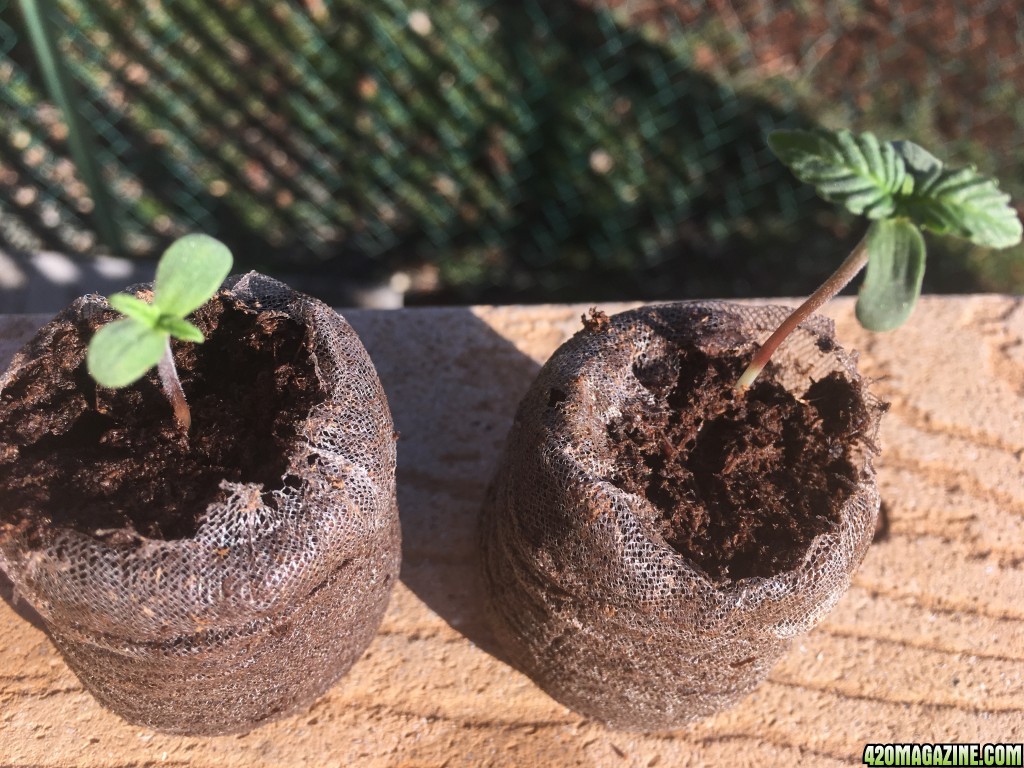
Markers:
(121, 352)
(902, 189)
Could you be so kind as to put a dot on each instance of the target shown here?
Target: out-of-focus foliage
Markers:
(542, 150)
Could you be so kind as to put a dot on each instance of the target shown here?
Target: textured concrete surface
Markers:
(928, 645)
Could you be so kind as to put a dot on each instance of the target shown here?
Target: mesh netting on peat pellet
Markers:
(211, 582)
(652, 540)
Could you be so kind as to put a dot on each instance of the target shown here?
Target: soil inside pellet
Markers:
(742, 483)
(113, 464)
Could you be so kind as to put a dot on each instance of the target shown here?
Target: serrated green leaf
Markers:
(922, 165)
(892, 284)
(963, 203)
(180, 329)
(189, 273)
(121, 352)
(855, 170)
(135, 308)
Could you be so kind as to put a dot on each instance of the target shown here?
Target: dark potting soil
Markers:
(114, 465)
(743, 482)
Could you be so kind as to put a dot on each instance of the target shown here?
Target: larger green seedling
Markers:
(122, 352)
(902, 189)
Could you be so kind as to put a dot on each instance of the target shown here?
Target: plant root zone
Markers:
(113, 464)
(742, 483)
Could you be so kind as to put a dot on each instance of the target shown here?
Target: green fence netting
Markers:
(551, 149)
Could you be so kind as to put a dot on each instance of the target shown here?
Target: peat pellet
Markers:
(207, 582)
(653, 540)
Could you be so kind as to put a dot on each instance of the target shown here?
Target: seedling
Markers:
(121, 352)
(902, 189)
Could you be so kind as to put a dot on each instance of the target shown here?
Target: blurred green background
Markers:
(486, 151)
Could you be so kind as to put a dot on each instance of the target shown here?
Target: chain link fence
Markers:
(538, 150)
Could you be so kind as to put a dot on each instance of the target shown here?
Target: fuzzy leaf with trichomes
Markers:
(897, 181)
(858, 171)
(902, 188)
(187, 276)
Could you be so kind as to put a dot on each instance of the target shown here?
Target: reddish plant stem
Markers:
(172, 388)
(838, 280)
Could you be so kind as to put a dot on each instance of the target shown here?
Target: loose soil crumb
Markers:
(112, 463)
(596, 321)
(743, 483)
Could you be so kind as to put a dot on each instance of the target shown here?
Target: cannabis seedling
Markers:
(188, 274)
(902, 189)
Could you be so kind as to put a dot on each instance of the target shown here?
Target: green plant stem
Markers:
(81, 143)
(838, 280)
(172, 388)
